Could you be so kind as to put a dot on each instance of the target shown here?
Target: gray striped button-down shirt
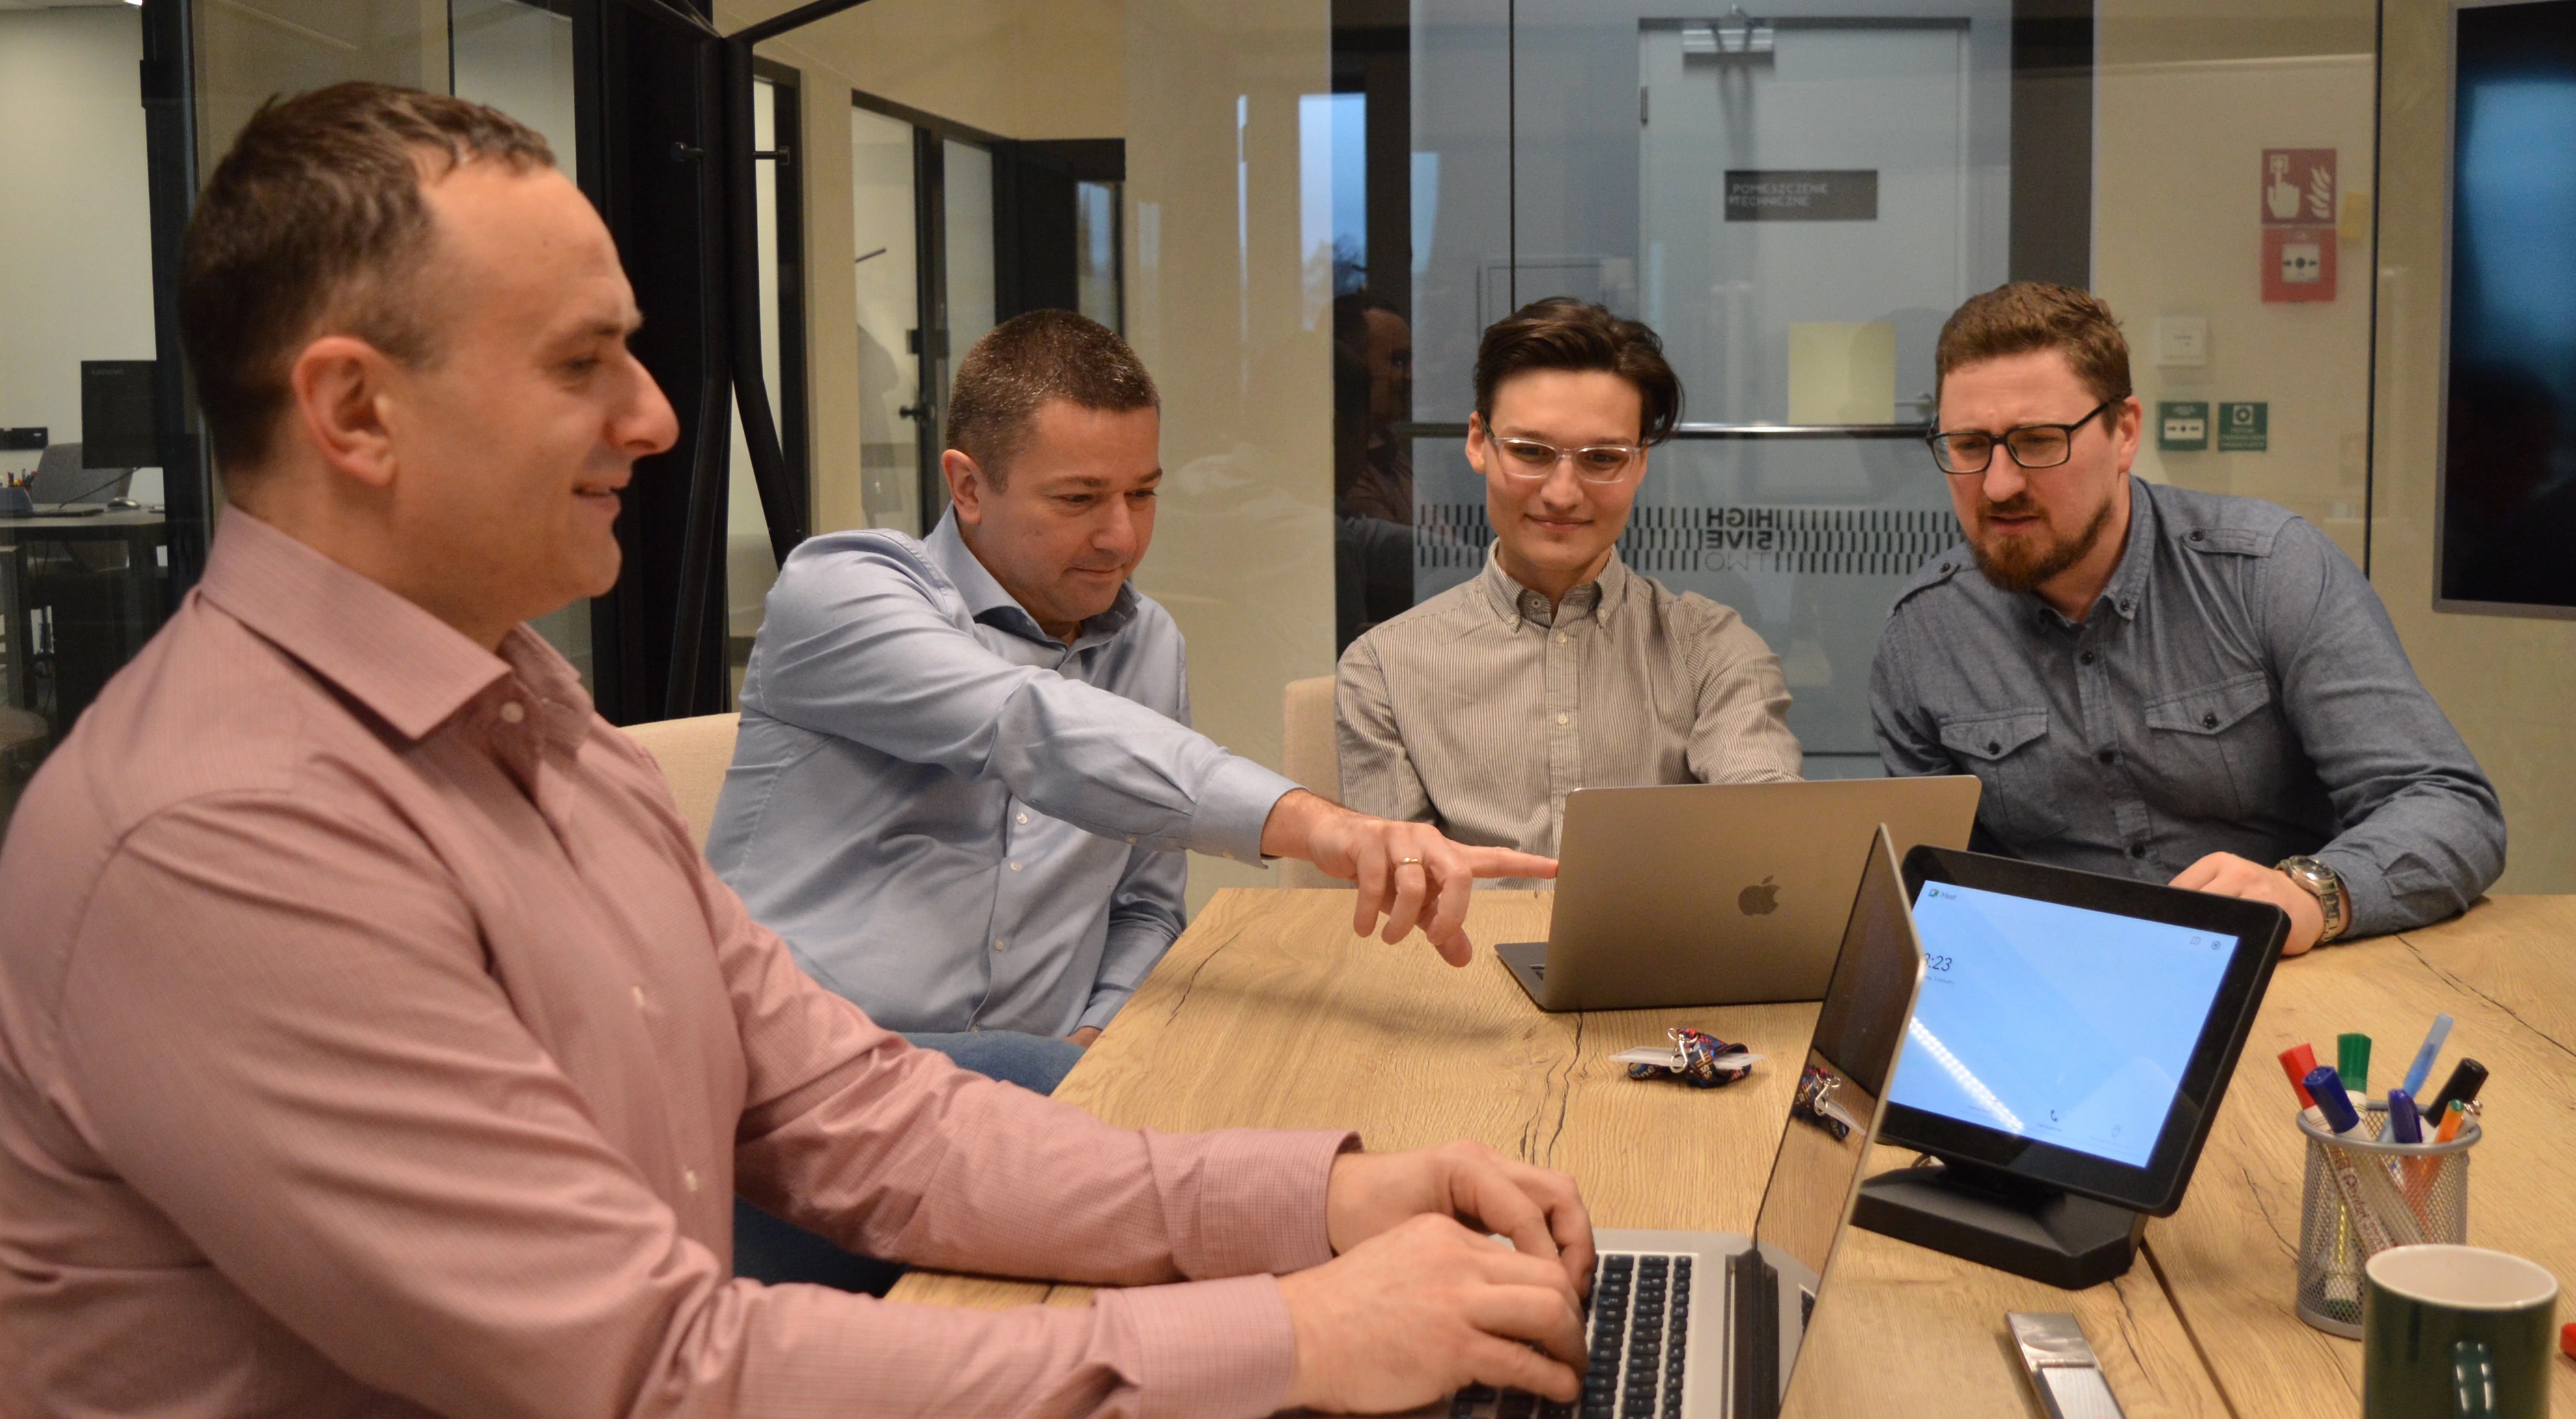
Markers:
(1482, 708)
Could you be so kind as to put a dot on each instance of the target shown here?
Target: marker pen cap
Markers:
(2296, 1061)
(2467, 1078)
(2404, 1124)
(2326, 1087)
(2567, 1338)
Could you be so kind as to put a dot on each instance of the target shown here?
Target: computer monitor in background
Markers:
(116, 414)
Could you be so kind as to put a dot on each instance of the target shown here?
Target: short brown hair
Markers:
(1562, 333)
(314, 224)
(2035, 315)
(1027, 360)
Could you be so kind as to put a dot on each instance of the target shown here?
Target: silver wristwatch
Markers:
(2320, 882)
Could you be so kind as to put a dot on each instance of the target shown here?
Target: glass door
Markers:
(885, 196)
(1795, 201)
(929, 288)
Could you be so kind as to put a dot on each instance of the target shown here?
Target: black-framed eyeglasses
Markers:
(2031, 445)
(1537, 458)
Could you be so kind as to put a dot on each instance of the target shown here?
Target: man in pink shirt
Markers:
(374, 1041)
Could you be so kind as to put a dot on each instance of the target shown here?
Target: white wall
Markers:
(2179, 153)
(76, 221)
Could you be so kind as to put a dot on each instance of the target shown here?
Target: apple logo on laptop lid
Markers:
(1760, 899)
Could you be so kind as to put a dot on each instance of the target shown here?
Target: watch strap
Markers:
(2320, 881)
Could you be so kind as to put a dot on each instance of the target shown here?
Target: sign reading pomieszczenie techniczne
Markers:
(1801, 195)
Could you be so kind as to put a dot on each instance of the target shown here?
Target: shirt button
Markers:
(1001, 943)
(2088, 657)
(2107, 755)
(2137, 849)
(1994, 746)
(1131, 839)
(1024, 818)
(1015, 867)
(2209, 721)
(689, 1178)
(1561, 719)
(1562, 638)
(512, 711)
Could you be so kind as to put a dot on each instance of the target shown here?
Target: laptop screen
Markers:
(2056, 1023)
(1859, 1031)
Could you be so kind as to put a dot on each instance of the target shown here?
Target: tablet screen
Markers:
(2055, 1023)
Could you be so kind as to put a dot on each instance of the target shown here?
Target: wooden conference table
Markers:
(1269, 1012)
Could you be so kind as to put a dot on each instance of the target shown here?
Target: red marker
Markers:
(2567, 1338)
(2296, 1061)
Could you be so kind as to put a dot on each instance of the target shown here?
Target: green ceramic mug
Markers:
(2458, 1331)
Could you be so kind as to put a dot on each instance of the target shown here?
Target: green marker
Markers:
(2352, 1061)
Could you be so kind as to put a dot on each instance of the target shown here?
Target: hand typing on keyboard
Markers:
(1417, 1312)
(1420, 1302)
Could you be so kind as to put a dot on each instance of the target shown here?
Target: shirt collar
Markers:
(404, 665)
(1514, 603)
(988, 601)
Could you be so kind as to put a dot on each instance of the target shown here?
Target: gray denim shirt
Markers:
(2238, 688)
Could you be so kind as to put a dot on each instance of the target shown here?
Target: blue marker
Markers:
(2422, 1069)
(2326, 1087)
(2405, 1125)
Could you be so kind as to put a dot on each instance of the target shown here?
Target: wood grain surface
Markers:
(2506, 972)
(1269, 1012)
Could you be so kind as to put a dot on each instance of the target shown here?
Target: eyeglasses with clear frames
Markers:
(2030, 445)
(1537, 458)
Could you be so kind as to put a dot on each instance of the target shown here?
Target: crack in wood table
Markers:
(1269, 1012)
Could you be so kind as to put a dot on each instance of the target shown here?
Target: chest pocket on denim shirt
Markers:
(2216, 750)
(2007, 754)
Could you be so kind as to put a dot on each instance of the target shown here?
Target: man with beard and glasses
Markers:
(2159, 683)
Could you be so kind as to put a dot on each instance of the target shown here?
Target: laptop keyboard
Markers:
(1638, 1327)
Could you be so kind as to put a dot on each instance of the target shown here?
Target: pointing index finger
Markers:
(1505, 862)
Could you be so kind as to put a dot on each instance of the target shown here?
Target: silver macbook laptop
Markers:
(1708, 1325)
(1718, 894)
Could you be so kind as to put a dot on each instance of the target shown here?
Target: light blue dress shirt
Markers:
(954, 819)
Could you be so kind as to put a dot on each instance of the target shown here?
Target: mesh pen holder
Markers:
(2363, 1197)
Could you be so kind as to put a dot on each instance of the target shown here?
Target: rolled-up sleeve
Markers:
(2423, 833)
(854, 646)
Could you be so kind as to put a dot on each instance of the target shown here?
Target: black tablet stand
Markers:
(1997, 1219)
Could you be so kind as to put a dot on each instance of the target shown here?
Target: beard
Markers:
(2021, 564)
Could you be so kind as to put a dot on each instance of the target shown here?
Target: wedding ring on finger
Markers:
(1408, 862)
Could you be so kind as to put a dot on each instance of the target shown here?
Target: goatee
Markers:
(2025, 567)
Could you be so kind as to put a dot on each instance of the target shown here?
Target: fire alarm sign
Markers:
(2299, 202)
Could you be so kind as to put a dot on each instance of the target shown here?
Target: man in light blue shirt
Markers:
(964, 776)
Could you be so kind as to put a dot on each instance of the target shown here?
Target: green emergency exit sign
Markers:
(2244, 428)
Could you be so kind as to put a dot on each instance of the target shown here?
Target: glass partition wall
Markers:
(1795, 201)
(1303, 216)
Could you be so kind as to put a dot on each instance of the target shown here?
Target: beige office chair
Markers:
(1312, 756)
(694, 754)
